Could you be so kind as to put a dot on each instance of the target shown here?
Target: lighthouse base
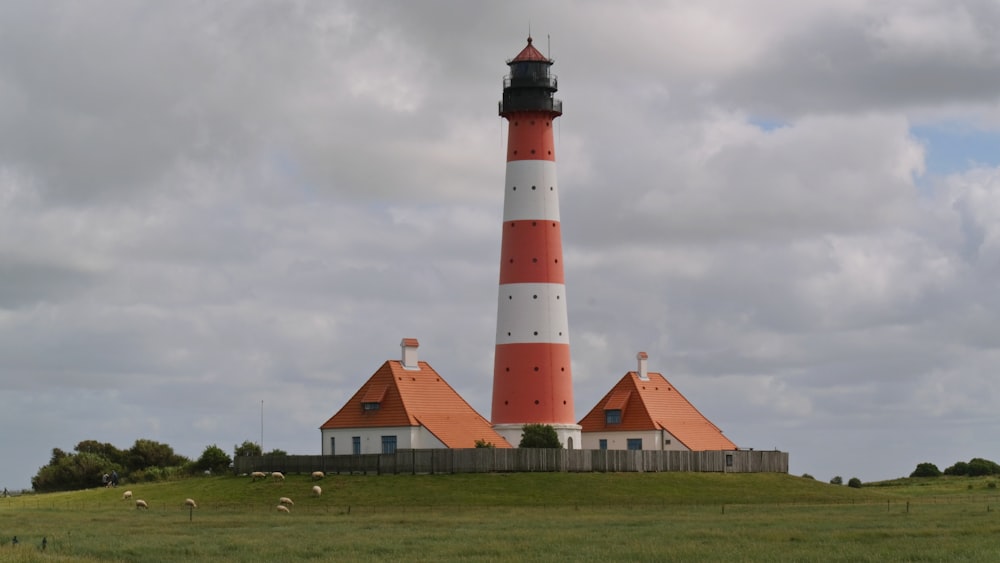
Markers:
(569, 434)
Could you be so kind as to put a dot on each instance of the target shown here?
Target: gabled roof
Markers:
(529, 53)
(656, 404)
(416, 397)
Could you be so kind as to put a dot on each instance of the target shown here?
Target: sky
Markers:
(218, 219)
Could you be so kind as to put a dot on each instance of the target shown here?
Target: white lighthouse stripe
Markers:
(532, 191)
(532, 312)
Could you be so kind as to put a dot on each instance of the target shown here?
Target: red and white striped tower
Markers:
(532, 379)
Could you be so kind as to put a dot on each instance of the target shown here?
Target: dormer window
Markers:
(613, 416)
(372, 399)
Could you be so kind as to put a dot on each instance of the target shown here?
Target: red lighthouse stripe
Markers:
(532, 383)
(531, 251)
(530, 136)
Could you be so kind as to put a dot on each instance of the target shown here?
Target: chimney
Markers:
(409, 346)
(642, 357)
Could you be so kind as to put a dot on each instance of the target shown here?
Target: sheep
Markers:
(257, 475)
(317, 475)
(139, 503)
(126, 495)
(286, 500)
(190, 502)
(283, 508)
(317, 490)
(278, 476)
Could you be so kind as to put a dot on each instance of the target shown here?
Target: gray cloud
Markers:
(203, 207)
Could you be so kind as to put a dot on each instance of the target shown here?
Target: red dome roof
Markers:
(529, 53)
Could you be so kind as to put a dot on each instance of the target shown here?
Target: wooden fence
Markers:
(490, 460)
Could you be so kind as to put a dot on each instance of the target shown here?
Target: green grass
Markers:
(523, 517)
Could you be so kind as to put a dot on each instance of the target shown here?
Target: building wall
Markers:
(407, 437)
(651, 440)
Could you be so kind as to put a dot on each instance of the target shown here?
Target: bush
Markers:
(926, 469)
(838, 480)
(808, 476)
(976, 467)
(854, 483)
(979, 466)
(482, 443)
(539, 436)
(960, 468)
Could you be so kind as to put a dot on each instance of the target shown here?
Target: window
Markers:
(635, 443)
(333, 446)
(729, 460)
(370, 406)
(356, 445)
(602, 444)
(388, 444)
(613, 416)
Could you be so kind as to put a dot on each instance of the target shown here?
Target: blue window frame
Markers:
(388, 444)
(602, 444)
(613, 416)
(635, 443)
(356, 445)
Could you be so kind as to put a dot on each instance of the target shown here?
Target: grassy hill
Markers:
(522, 517)
(510, 490)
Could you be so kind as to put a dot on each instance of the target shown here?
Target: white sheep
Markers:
(317, 490)
(283, 508)
(286, 501)
(126, 495)
(278, 476)
(257, 475)
(317, 475)
(139, 503)
(190, 502)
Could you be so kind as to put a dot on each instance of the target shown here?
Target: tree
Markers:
(277, 452)
(482, 443)
(838, 480)
(213, 459)
(71, 472)
(247, 448)
(147, 453)
(854, 483)
(103, 449)
(539, 436)
(926, 469)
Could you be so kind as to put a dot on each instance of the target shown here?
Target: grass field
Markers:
(516, 517)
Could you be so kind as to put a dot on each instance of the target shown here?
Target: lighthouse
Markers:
(532, 376)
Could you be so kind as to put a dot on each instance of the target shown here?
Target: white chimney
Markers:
(409, 346)
(642, 357)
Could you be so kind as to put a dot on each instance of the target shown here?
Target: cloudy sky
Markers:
(206, 207)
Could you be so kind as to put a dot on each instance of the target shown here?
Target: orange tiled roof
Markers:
(416, 397)
(653, 405)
